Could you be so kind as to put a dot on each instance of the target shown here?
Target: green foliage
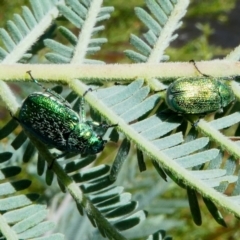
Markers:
(201, 160)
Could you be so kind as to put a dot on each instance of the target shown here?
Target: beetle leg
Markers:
(58, 96)
(82, 113)
(55, 158)
(194, 124)
(39, 84)
(89, 90)
(15, 118)
(166, 114)
(194, 64)
(106, 126)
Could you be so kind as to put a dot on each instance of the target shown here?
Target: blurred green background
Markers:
(209, 30)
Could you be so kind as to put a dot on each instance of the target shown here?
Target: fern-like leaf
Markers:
(146, 135)
(165, 20)
(20, 218)
(24, 31)
(83, 16)
(186, 157)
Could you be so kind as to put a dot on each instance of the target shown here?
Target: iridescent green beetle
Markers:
(50, 118)
(199, 95)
